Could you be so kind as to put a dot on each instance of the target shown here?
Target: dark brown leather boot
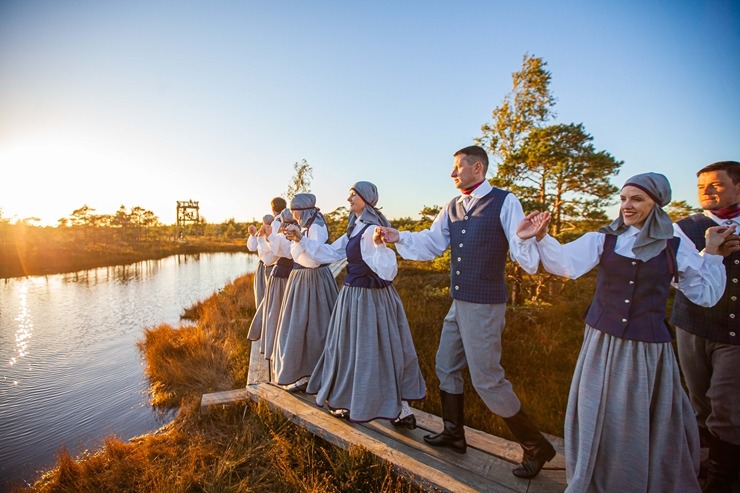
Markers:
(453, 434)
(537, 449)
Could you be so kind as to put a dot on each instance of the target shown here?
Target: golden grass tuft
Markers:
(181, 362)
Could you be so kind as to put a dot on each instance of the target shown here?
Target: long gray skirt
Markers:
(265, 321)
(259, 283)
(629, 425)
(369, 363)
(304, 319)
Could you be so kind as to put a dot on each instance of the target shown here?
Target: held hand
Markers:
(534, 225)
(378, 236)
(720, 240)
(730, 245)
(293, 232)
(265, 230)
(389, 235)
(252, 230)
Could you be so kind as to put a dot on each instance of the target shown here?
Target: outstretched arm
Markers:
(386, 235)
(534, 225)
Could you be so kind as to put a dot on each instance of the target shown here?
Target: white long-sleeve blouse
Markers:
(380, 258)
(701, 276)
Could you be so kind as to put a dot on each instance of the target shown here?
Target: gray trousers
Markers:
(712, 374)
(471, 336)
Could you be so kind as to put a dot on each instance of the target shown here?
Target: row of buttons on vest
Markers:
(733, 297)
(457, 272)
(624, 320)
(627, 301)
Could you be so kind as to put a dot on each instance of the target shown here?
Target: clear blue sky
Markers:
(143, 103)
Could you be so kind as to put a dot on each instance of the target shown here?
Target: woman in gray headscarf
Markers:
(262, 272)
(369, 368)
(629, 425)
(309, 298)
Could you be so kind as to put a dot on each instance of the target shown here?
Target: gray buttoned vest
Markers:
(478, 250)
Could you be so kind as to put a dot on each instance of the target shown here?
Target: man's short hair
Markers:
(732, 168)
(278, 204)
(477, 152)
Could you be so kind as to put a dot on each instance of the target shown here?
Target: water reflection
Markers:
(71, 374)
(24, 328)
(183, 259)
(130, 272)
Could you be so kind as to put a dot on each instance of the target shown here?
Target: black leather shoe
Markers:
(444, 439)
(532, 464)
(408, 421)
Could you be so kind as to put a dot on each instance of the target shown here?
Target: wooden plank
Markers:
(258, 366)
(500, 447)
(428, 474)
(207, 401)
(474, 463)
(548, 481)
(486, 466)
(493, 469)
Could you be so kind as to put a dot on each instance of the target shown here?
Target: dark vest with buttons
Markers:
(720, 323)
(478, 250)
(631, 295)
(359, 274)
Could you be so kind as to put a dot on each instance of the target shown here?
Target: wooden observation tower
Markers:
(188, 213)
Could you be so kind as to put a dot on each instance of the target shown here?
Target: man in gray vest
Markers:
(709, 338)
(480, 227)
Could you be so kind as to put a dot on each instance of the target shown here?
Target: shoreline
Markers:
(50, 261)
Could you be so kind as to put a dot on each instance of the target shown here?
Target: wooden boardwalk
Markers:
(486, 467)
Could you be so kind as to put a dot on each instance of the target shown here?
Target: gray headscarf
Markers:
(370, 214)
(286, 217)
(267, 219)
(305, 205)
(658, 227)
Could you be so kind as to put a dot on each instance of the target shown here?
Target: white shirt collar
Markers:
(719, 220)
(481, 191)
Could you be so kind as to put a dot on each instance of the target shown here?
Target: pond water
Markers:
(70, 372)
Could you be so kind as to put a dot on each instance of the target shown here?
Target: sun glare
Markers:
(47, 178)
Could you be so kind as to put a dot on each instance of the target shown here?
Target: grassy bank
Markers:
(265, 452)
(37, 259)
